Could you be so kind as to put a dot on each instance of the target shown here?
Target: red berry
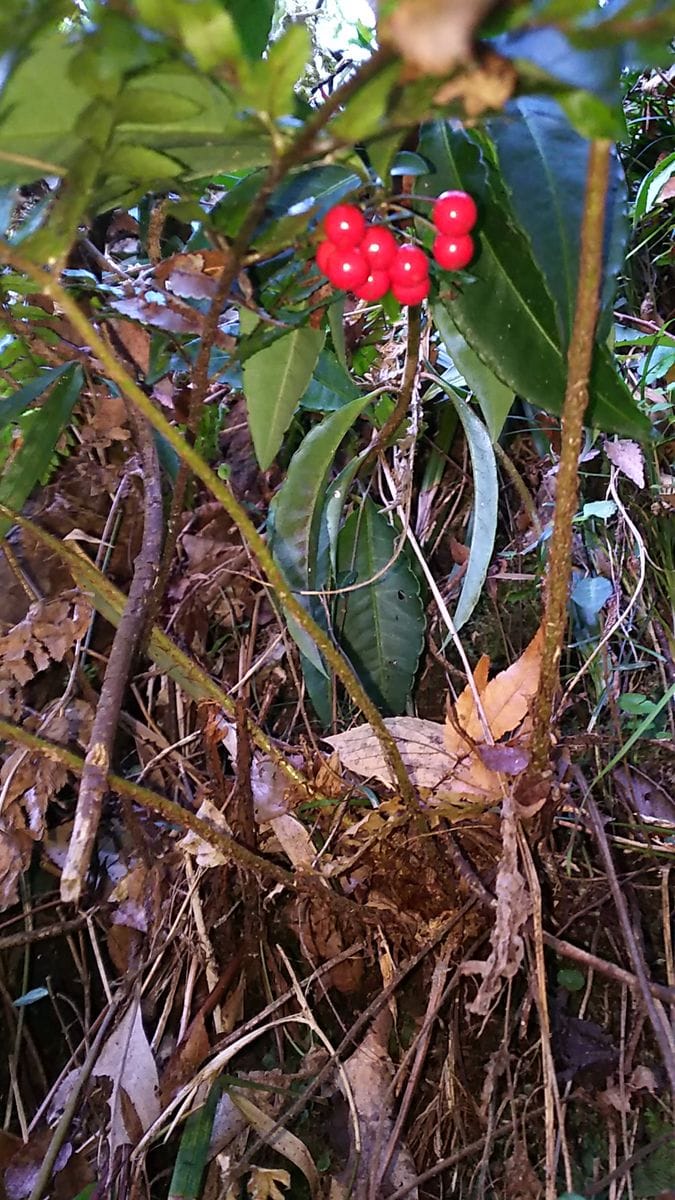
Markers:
(412, 293)
(324, 252)
(374, 288)
(347, 268)
(455, 213)
(410, 265)
(452, 252)
(379, 246)
(344, 225)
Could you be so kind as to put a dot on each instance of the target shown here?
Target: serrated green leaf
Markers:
(540, 154)
(154, 106)
(485, 506)
(39, 109)
(493, 396)
(651, 187)
(382, 623)
(32, 459)
(506, 314)
(274, 380)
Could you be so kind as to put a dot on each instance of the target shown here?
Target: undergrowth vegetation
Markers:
(337, 678)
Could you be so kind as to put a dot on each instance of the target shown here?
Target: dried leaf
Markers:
(513, 909)
(369, 1072)
(127, 1060)
(264, 1183)
(205, 854)
(283, 1140)
(628, 458)
(46, 634)
(506, 699)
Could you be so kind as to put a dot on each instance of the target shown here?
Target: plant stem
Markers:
(579, 358)
(125, 644)
(222, 492)
(412, 361)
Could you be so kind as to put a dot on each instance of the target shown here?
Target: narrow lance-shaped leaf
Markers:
(296, 513)
(494, 397)
(44, 430)
(274, 381)
(544, 161)
(506, 314)
(486, 496)
(382, 623)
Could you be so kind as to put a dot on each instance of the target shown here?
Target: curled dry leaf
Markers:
(46, 634)
(513, 909)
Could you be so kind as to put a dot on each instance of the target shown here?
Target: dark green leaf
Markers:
(544, 164)
(506, 314)
(274, 381)
(330, 387)
(382, 623)
(299, 502)
(11, 407)
(652, 185)
(32, 459)
(408, 163)
(253, 22)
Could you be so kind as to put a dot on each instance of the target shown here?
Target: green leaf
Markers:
(505, 313)
(363, 114)
(298, 505)
(193, 1152)
(253, 22)
(154, 106)
(540, 154)
(651, 187)
(295, 521)
(493, 396)
(33, 458)
(11, 407)
(382, 623)
(39, 109)
(268, 87)
(330, 387)
(274, 381)
(485, 505)
(591, 116)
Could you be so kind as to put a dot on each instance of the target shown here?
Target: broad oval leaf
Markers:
(506, 314)
(382, 623)
(486, 497)
(43, 432)
(274, 380)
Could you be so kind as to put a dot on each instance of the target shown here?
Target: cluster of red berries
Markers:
(368, 261)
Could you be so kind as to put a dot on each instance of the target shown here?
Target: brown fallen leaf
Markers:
(127, 1060)
(453, 761)
(628, 458)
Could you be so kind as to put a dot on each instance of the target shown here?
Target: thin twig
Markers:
(125, 643)
(405, 395)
